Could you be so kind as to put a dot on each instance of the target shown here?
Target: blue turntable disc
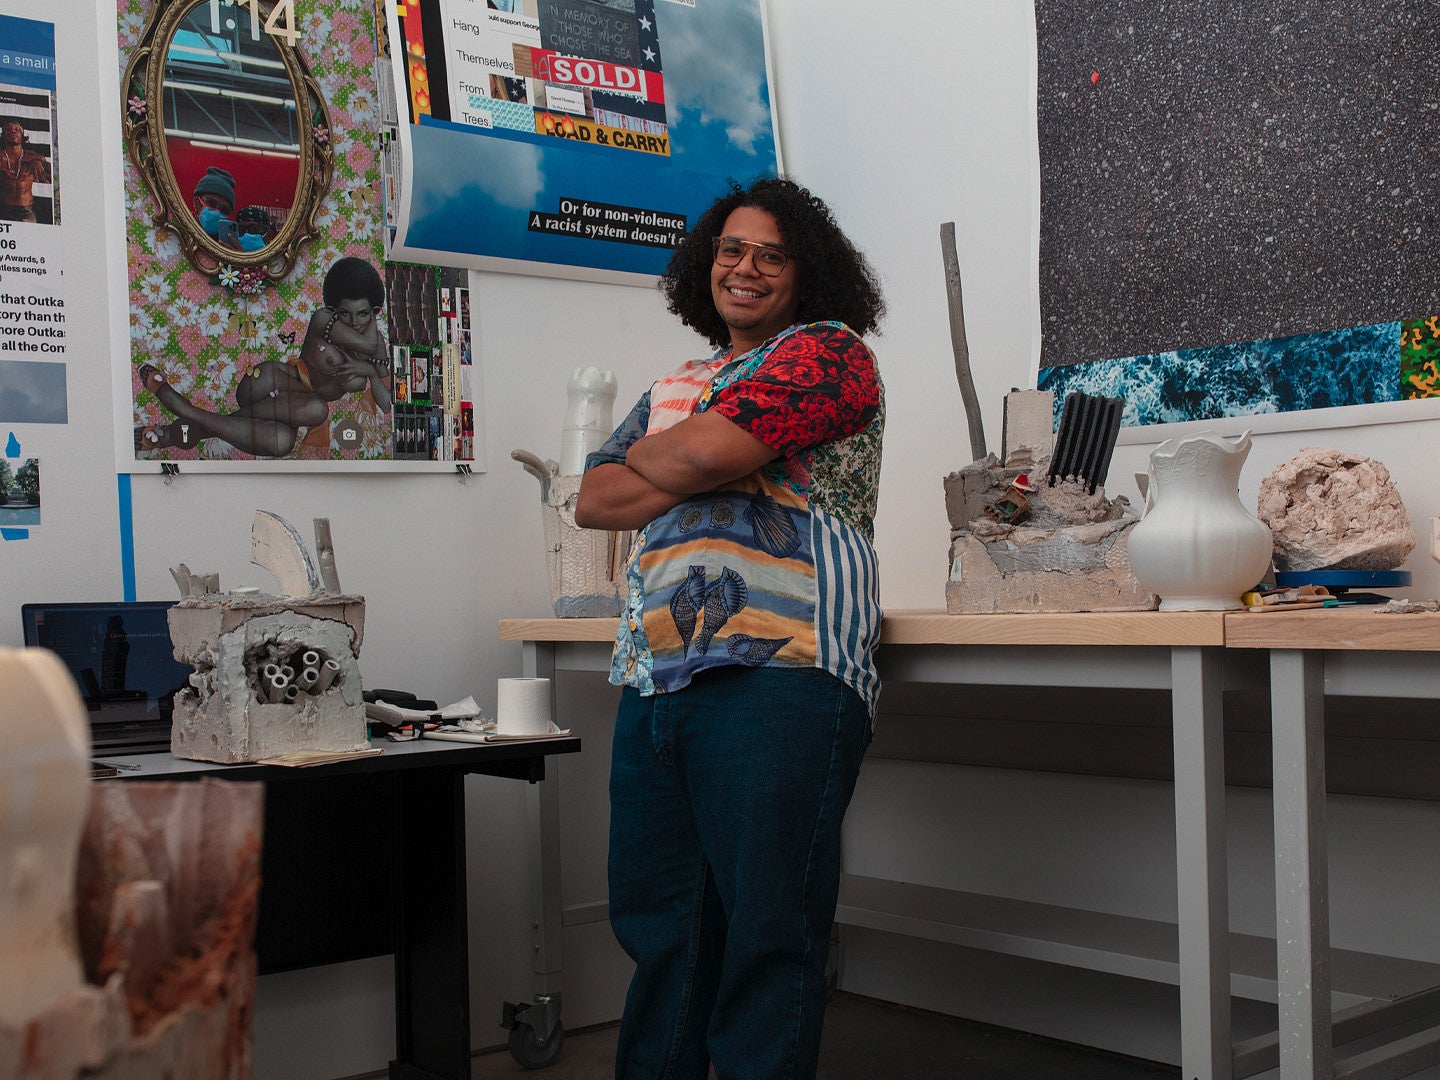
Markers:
(1340, 580)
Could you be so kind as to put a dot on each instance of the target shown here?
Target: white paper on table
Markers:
(395, 715)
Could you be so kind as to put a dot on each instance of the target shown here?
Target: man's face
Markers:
(754, 305)
(12, 134)
(211, 201)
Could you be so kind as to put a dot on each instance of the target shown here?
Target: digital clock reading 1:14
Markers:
(280, 23)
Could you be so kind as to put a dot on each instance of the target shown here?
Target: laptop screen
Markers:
(121, 659)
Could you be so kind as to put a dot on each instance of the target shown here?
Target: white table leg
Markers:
(1302, 912)
(1198, 733)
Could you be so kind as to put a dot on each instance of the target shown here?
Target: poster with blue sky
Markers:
(574, 138)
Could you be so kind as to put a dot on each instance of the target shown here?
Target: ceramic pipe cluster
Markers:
(278, 682)
(308, 672)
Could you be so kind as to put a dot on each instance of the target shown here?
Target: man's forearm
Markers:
(697, 455)
(615, 496)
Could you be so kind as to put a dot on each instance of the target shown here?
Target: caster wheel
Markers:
(526, 1049)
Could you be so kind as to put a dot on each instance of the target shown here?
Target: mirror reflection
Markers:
(232, 129)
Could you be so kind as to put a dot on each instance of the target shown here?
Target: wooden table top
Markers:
(1362, 627)
(558, 629)
(1350, 628)
(1160, 628)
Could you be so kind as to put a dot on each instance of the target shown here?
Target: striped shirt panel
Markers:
(847, 604)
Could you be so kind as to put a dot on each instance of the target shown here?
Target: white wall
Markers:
(900, 127)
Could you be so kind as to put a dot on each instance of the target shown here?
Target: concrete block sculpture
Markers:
(274, 674)
(1023, 545)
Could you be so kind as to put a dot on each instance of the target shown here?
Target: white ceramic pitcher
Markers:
(1197, 546)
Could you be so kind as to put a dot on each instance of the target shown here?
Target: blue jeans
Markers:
(726, 799)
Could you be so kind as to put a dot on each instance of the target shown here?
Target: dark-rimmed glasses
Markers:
(730, 251)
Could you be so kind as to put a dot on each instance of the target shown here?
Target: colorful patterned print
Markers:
(762, 572)
(1420, 357)
(736, 561)
(802, 385)
(206, 338)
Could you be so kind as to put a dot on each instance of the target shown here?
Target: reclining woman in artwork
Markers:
(344, 352)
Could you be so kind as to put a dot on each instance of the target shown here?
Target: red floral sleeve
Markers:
(819, 385)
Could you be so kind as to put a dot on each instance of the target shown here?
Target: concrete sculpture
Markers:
(1334, 510)
(589, 412)
(274, 674)
(129, 907)
(1069, 550)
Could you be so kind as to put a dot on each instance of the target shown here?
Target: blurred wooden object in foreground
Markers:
(130, 951)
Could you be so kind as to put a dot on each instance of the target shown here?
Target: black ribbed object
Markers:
(1089, 426)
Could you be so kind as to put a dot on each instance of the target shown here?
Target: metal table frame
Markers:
(1180, 650)
(1312, 654)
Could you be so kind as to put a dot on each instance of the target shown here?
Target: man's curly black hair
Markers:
(835, 280)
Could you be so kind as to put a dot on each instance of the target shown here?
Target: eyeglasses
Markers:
(730, 251)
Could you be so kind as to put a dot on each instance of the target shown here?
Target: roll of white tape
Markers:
(523, 707)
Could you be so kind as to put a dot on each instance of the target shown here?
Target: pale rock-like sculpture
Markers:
(1028, 435)
(128, 946)
(277, 546)
(1334, 510)
(584, 566)
(274, 675)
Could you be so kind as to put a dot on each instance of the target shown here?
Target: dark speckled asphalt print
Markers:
(1226, 171)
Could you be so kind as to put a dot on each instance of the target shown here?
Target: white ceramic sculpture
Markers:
(128, 908)
(1197, 546)
(590, 404)
(585, 566)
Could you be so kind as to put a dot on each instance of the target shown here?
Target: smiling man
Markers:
(745, 645)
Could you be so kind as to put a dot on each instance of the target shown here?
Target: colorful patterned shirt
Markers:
(778, 568)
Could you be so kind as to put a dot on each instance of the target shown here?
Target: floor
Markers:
(866, 1039)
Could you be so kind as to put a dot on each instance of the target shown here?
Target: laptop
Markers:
(122, 661)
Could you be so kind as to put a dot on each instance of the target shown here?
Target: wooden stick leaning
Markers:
(958, 344)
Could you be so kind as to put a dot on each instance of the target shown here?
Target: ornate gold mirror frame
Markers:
(144, 119)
